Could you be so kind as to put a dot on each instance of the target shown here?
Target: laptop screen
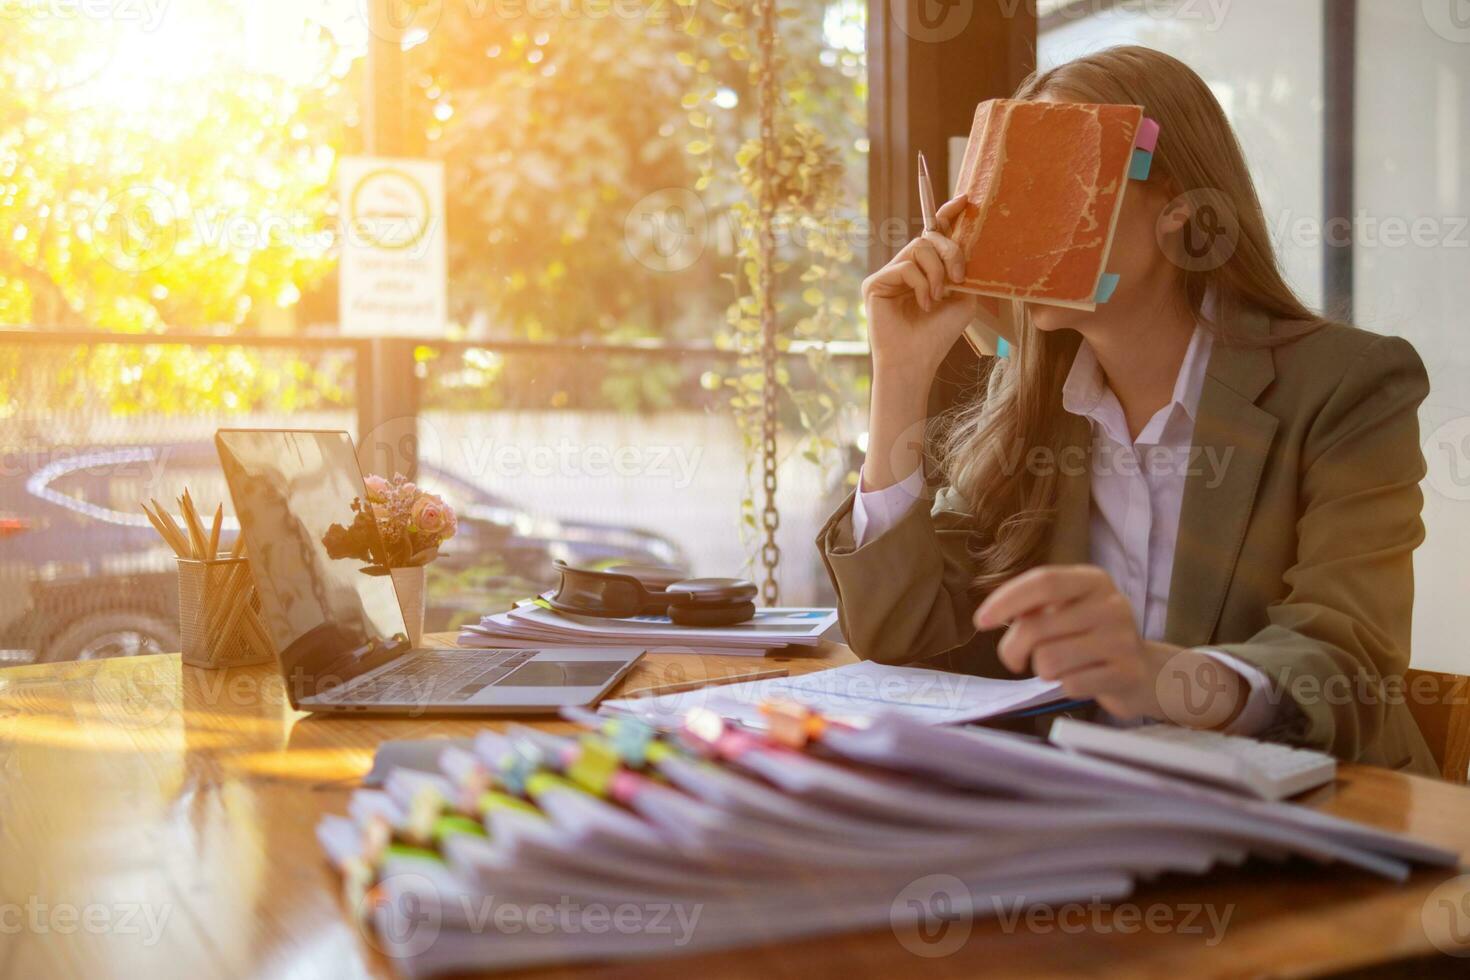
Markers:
(329, 618)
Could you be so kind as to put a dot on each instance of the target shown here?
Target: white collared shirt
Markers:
(1138, 484)
(1137, 491)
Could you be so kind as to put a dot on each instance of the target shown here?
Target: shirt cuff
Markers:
(877, 511)
(1259, 712)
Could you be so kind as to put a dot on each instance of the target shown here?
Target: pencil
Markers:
(926, 196)
(172, 536)
(173, 525)
(191, 521)
(163, 531)
(973, 336)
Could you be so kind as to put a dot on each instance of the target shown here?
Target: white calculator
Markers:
(1265, 770)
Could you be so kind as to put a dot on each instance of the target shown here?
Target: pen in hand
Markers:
(926, 196)
(973, 336)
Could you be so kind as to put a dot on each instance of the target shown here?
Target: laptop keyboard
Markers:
(442, 677)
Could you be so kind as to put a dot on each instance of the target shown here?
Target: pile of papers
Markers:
(527, 848)
(534, 623)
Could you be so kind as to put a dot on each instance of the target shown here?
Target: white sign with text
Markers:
(393, 276)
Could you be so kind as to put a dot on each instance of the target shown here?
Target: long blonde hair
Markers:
(1020, 409)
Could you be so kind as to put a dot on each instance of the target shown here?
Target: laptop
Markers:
(340, 637)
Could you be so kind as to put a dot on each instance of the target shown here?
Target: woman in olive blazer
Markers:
(1262, 584)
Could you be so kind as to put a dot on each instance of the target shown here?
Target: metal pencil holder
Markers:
(219, 614)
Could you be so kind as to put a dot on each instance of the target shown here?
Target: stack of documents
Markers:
(618, 842)
(534, 623)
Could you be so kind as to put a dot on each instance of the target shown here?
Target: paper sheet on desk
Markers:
(855, 693)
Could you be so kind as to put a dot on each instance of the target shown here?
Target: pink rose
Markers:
(429, 514)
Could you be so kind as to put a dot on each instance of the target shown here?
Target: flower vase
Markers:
(409, 583)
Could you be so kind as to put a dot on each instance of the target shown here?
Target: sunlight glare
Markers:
(200, 41)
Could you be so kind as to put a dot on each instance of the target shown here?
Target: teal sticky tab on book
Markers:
(1143, 163)
(1002, 347)
(1106, 286)
(630, 738)
(515, 769)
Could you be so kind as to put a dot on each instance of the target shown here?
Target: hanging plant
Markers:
(791, 179)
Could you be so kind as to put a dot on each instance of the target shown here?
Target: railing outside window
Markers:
(549, 450)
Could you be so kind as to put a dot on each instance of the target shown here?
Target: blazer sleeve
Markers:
(1343, 625)
(904, 596)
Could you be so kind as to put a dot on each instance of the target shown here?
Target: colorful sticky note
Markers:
(410, 851)
(515, 769)
(501, 801)
(423, 810)
(630, 739)
(594, 766)
(1148, 135)
(454, 823)
(541, 781)
(1142, 165)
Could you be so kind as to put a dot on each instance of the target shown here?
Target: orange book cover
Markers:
(1045, 183)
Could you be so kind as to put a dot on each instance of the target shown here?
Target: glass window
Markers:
(1264, 63)
(175, 171)
(1412, 269)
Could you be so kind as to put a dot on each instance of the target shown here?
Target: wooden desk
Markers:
(157, 820)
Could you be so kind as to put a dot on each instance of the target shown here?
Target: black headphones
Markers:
(647, 590)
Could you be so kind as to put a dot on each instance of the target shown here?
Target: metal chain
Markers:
(770, 516)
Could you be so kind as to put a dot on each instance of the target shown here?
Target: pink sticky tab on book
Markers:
(1148, 135)
(625, 785)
